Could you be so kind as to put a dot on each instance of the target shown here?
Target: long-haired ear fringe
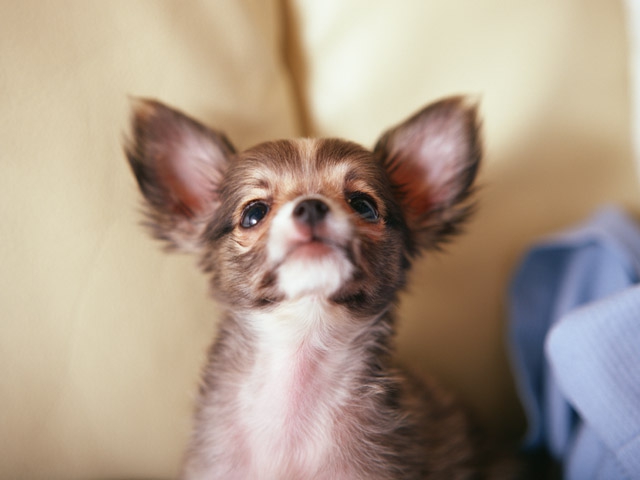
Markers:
(432, 160)
(178, 164)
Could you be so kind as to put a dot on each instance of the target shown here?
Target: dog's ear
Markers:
(432, 159)
(179, 165)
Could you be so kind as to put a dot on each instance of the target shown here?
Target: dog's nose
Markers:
(310, 211)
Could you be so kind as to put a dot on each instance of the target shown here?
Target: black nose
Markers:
(310, 212)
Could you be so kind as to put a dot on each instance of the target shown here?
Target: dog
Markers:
(307, 243)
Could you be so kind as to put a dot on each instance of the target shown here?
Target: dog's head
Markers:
(294, 218)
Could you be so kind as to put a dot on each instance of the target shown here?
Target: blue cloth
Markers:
(574, 339)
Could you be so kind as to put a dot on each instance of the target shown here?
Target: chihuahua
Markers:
(307, 243)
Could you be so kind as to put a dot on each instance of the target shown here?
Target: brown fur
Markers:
(382, 423)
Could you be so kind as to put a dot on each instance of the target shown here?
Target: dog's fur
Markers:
(307, 243)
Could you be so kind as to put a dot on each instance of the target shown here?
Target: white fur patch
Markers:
(304, 360)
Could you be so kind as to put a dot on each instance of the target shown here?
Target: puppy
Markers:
(307, 243)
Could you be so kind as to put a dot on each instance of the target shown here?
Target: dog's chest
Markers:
(288, 410)
(292, 406)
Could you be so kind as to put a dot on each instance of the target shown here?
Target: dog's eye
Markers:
(253, 214)
(364, 206)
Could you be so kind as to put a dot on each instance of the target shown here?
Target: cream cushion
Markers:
(102, 334)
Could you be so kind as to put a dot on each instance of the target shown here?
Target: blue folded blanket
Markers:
(574, 339)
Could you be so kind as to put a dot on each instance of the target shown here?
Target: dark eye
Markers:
(253, 214)
(364, 206)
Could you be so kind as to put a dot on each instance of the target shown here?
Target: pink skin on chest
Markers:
(303, 383)
(308, 382)
(288, 413)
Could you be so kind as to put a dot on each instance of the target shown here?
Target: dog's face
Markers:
(293, 218)
(306, 217)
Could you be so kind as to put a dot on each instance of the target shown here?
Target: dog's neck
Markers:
(309, 354)
(310, 322)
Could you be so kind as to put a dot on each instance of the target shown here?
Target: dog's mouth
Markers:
(316, 247)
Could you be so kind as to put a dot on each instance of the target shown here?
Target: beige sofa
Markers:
(102, 335)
